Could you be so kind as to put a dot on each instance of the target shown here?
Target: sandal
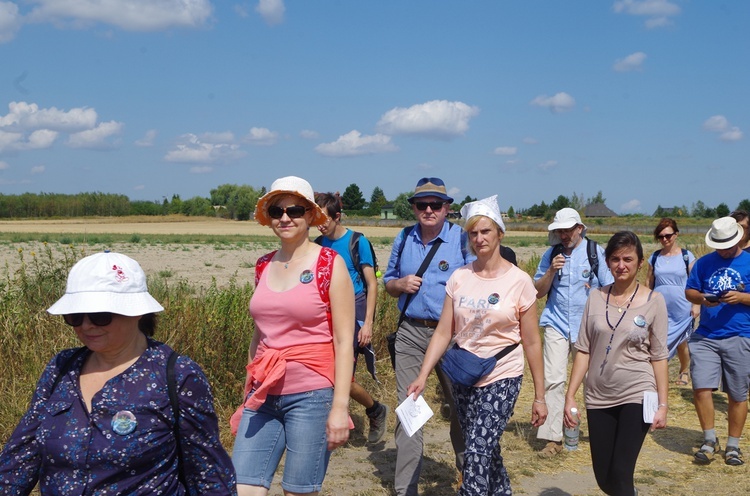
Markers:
(683, 379)
(706, 452)
(551, 449)
(733, 456)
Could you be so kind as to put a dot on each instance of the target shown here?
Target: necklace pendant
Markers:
(619, 310)
(286, 265)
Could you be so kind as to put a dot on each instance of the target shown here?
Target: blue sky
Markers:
(646, 101)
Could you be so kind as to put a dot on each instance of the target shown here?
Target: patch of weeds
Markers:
(65, 240)
(208, 264)
(135, 238)
(247, 265)
(165, 273)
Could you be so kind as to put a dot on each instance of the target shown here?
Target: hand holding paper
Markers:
(413, 414)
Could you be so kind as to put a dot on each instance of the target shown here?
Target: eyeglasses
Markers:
(99, 319)
(436, 205)
(665, 237)
(565, 231)
(293, 211)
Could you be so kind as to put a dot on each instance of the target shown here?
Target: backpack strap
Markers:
(686, 259)
(354, 254)
(593, 259)
(65, 367)
(323, 276)
(261, 264)
(318, 240)
(654, 256)
(175, 403)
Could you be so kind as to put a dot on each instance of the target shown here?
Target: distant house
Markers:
(386, 212)
(598, 210)
(668, 212)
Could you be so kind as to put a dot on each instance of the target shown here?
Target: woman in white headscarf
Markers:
(490, 307)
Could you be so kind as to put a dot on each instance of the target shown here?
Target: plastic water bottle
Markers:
(570, 434)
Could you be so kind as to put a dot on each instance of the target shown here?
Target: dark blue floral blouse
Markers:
(70, 451)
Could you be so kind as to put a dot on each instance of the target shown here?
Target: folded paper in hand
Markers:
(413, 414)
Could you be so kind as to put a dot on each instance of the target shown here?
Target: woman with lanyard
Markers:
(490, 306)
(622, 353)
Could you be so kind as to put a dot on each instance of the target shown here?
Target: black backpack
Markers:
(354, 254)
(685, 258)
(591, 255)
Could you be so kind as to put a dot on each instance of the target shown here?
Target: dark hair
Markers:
(624, 239)
(330, 202)
(147, 324)
(740, 215)
(663, 224)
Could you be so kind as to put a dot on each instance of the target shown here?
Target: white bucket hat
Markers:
(106, 282)
(565, 218)
(724, 233)
(289, 185)
(487, 207)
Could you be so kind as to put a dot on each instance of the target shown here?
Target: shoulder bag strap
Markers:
(420, 272)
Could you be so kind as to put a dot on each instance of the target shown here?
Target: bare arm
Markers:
(662, 385)
(371, 281)
(650, 279)
(532, 347)
(439, 342)
(580, 367)
(342, 314)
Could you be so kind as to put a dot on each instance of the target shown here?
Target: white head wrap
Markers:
(487, 207)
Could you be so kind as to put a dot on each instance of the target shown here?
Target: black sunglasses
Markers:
(436, 205)
(293, 211)
(666, 237)
(99, 319)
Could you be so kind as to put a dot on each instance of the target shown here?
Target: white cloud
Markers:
(191, 149)
(633, 62)
(10, 21)
(39, 169)
(201, 170)
(547, 166)
(454, 192)
(716, 123)
(505, 150)
(130, 15)
(96, 138)
(261, 136)
(272, 11)
(28, 116)
(139, 187)
(657, 12)
(631, 206)
(560, 102)
(733, 134)
(148, 138)
(435, 119)
(217, 138)
(530, 141)
(40, 139)
(720, 124)
(4, 165)
(308, 134)
(353, 144)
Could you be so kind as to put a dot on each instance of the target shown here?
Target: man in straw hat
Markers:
(720, 346)
(420, 300)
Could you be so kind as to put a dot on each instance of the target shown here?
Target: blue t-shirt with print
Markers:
(714, 274)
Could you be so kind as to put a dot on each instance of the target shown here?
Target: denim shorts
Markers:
(292, 422)
(724, 362)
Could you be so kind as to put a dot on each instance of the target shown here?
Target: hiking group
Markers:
(140, 418)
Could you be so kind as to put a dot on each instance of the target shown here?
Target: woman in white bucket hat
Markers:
(101, 419)
(301, 357)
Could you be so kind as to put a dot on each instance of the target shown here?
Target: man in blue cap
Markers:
(420, 299)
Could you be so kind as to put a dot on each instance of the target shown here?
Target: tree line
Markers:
(237, 202)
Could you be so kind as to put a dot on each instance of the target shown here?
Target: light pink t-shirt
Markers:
(289, 318)
(486, 316)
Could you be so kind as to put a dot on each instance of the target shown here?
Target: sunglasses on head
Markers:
(435, 205)
(99, 319)
(293, 211)
(665, 237)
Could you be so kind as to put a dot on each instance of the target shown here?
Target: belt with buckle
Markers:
(422, 322)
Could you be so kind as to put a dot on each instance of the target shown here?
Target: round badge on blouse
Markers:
(493, 298)
(640, 320)
(443, 265)
(306, 277)
(586, 273)
(124, 422)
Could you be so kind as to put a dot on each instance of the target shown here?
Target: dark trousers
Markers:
(616, 435)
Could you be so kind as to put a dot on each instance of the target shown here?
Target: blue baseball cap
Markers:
(430, 186)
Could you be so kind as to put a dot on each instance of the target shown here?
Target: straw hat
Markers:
(724, 233)
(430, 186)
(289, 185)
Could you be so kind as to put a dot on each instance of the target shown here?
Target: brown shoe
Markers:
(551, 449)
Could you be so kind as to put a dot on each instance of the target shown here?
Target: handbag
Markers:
(465, 368)
(391, 338)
